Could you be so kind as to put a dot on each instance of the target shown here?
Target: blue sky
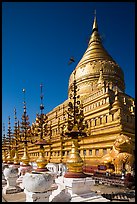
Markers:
(38, 38)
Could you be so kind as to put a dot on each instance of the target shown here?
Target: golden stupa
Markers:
(108, 110)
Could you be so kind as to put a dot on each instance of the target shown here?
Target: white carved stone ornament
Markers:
(11, 175)
(10, 172)
(37, 186)
(37, 182)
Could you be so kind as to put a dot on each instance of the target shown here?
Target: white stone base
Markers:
(79, 185)
(75, 190)
(37, 197)
(89, 197)
(11, 189)
(11, 181)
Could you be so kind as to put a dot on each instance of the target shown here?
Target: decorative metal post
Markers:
(16, 137)
(41, 129)
(4, 146)
(24, 136)
(9, 138)
(11, 171)
(38, 184)
(76, 129)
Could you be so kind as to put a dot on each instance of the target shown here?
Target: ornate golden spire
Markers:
(95, 50)
(89, 66)
(95, 37)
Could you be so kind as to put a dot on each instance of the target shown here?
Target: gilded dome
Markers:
(96, 58)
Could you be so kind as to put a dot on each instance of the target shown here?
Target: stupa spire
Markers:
(95, 25)
(88, 68)
(95, 50)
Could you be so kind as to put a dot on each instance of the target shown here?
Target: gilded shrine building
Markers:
(108, 111)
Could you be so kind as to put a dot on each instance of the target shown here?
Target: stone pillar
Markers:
(93, 152)
(52, 167)
(58, 170)
(88, 152)
(38, 186)
(61, 169)
(104, 119)
(11, 175)
(101, 152)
